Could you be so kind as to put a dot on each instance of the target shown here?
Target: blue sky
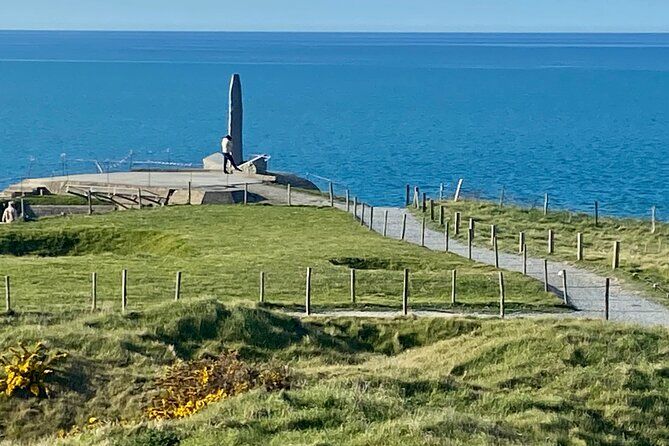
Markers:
(340, 15)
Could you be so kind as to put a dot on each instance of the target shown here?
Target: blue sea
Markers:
(581, 117)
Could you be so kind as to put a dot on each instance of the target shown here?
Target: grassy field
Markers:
(644, 257)
(358, 382)
(401, 381)
(221, 251)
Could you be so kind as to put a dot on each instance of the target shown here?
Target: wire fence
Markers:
(310, 290)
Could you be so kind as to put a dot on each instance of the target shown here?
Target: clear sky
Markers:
(340, 15)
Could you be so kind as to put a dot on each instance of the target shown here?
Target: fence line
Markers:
(410, 283)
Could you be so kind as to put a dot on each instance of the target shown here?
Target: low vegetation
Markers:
(221, 251)
(643, 255)
(354, 381)
(188, 387)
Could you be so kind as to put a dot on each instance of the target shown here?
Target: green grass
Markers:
(221, 251)
(65, 200)
(393, 382)
(356, 381)
(644, 257)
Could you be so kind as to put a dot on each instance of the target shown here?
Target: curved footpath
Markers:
(585, 289)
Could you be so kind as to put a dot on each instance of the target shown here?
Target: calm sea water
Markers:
(582, 117)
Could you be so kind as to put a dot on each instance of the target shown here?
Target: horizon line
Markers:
(93, 30)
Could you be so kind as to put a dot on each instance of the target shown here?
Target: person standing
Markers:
(226, 147)
(10, 215)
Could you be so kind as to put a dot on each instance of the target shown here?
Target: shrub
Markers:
(27, 370)
(188, 387)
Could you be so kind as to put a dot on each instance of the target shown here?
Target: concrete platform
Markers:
(171, 186)
(149, 179)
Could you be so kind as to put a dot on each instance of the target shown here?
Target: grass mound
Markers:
(113, 359)
(78, 242)
(462, 382)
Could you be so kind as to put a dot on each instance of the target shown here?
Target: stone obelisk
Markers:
(235, 118)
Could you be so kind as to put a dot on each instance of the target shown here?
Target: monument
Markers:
(236, 119)
(255, 164)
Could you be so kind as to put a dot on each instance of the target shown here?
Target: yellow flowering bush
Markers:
(188, 387)
(26, 370)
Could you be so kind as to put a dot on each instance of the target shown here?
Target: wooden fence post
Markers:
(407, 198)
(385, 223)
(94, 291)
(551, 241)
(493, 234)
(262, 286)
(355, 207)
(8, 296)
(457, 190)
(525, 259)
(362, 214)
(422, 232)
(441, 214)
(424, 203)
(546, 275)
(331, 191)
(456, 223)
(471, 227)
(405, 293)
(521, 242)
(288, 195)
(596, 213)
(446, 236)
(441, 191)
(124, 290)
(607, 287)
(616, 255)
(565, 296)
(371, 218)
(352, 286)
(139, 197)
(652, 220)
(348, 204)
(502, 295)
(496, 251)
(579, 246)
(416, 197)
(431, 209)
(470, 241)
(404, 226)
(90, 201)
(23, 210)
(307, 300)
(177, 286)
(190, 192)
(545, 204)
(454, 277)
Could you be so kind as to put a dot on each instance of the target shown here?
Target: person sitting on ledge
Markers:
(10, 215)
(226, 146)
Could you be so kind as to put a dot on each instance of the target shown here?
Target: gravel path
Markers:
(585, 289)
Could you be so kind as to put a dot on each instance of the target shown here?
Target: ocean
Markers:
(582, 117)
